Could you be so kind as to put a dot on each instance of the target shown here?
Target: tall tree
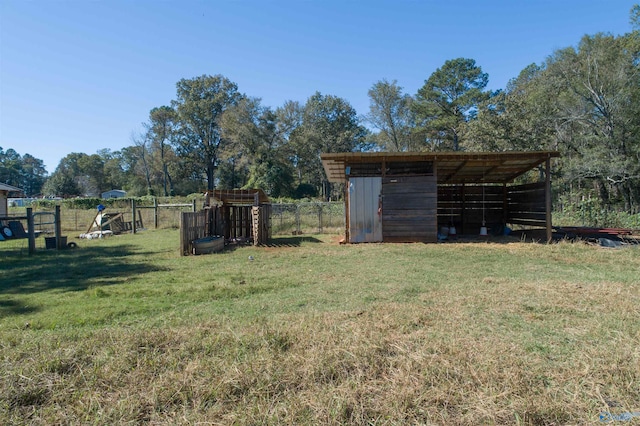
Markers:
(68, 178)
(634, 17)
(390, 113)
(518, 118)
(33, 175)
(161, 128)
(256, 147)
(329, 124)
(142, 158)
(25, 172)
(598, 89)
(113, 170)
(200, 105)
(10, 167)
(449, 99)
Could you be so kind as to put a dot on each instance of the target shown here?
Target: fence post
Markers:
(320, 218)
(183, 240)
(133, 216)
(194, 206)
(155, 213)
(57, 227)
(298, 232)
(31, 231)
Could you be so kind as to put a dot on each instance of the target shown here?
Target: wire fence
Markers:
(286, 219)
(308, 218)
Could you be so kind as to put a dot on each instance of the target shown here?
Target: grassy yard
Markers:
(125, 331)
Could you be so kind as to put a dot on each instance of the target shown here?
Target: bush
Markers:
(592, 212)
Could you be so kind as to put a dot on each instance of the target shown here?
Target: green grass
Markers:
(125, 331)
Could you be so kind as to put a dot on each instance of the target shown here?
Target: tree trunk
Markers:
(211, 173)
(601, 186)
(165, 174)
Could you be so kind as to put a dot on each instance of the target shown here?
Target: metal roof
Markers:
(451, 167)
(5, 187)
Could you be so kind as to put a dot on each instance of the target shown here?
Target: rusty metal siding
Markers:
(365, 225)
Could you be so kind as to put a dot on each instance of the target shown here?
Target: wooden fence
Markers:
(228, 222)
(526, 205)
(193, 226)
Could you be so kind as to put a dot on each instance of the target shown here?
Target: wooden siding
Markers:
(409, 209)
(193, 226)
(3, 203)
(527, 205)
(261, 224)
(197, 225)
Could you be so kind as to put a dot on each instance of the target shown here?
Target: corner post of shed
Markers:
(347, 202)
(505, 204)
(547, 194)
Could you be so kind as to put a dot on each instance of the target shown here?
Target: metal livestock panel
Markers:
(365, 225)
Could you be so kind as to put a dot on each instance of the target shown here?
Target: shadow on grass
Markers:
(15, 307)
(515, 237)
(71, 270)
(275, 242)
(290, 241)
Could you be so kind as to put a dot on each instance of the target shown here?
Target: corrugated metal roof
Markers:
(5, 187)
(451, 167)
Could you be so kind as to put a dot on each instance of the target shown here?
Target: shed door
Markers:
(365, 222)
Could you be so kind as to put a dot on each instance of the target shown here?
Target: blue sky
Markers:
(79, 76)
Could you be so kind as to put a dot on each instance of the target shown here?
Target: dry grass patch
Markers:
(328, 334)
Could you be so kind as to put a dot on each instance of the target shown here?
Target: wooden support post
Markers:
(233, 212)
(133, 216)
(248, 231)
(57, 228)
(347, 217)
(194, 208)
(95, 222)
(155, 213)
(547, 196)
(463, 205)
(183, 241)
(505, 204)
(31, 231)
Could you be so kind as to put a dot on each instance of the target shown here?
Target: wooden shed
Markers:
(4, 196)
(408, 197)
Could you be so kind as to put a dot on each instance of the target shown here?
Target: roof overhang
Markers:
(452, 167)
(9, 188)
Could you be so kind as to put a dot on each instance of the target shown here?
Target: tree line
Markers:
(583, 101)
